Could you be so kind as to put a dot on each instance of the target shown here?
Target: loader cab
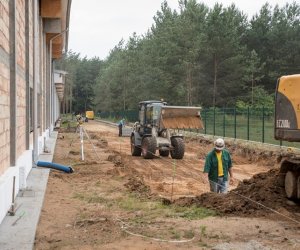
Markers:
(149, 114)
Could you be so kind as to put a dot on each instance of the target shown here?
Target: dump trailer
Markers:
(157, 126)
(287, 128)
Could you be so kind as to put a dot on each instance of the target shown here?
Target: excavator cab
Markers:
(287, 128)
(287, 108)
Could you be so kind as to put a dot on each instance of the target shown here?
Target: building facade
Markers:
(33, 33)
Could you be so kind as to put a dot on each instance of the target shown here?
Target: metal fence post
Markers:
(205, 122)
(214, 133)
(248, 123)
(263, 124)
(234, 112)
(224, 126)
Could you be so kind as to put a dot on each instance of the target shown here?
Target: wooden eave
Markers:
(53, 10)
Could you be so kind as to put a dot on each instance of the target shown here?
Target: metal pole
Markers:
(234, 122)
(224, 120)
(248, 123)
(81, 141)
(173, 178)
(205, 120)
(263, 124)
(12, 209)
(214, 132)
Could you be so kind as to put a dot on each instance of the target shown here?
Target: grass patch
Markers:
(132, 203)
(91, 198)
(68, 124)
(175, 234)
(194, 212)
(188, 234)
(149, 209)
(155, 209)
(148, 215)
(203, 231)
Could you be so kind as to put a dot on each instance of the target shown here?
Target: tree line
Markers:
(212, 57)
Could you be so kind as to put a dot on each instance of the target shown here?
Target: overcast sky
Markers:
(96, 26)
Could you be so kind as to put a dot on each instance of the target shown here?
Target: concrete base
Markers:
(20, 173)
(18, 231)
(24, 164)
(6, 189)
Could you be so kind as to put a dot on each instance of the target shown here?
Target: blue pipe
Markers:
(45, 164)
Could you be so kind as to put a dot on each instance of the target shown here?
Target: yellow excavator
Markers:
(287, 128)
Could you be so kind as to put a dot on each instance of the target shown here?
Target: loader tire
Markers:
(178, 148)
(148, 147)
(135, 150)
(164, 153)
(290, 185)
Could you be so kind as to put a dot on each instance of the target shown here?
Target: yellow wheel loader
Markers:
(287, 128)
(156, 129)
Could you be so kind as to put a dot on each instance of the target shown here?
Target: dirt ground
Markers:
(117, 201)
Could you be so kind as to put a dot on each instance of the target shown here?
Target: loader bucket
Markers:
(177, 117)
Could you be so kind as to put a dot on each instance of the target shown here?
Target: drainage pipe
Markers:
(56, 166)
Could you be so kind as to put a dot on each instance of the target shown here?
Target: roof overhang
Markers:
(59, 81)
(56, 17)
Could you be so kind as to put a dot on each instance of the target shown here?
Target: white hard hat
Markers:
(219, 144)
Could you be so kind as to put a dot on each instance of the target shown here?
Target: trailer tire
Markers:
(135, 150)
(148, 147)
(178, 148)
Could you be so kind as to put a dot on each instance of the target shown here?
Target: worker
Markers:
(121, 125)
(217, 166)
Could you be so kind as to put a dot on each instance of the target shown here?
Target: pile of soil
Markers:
(257, 196)
(136, 184)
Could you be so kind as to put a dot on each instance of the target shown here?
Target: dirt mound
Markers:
(136, 184)
(116, 159)
(257, 196)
